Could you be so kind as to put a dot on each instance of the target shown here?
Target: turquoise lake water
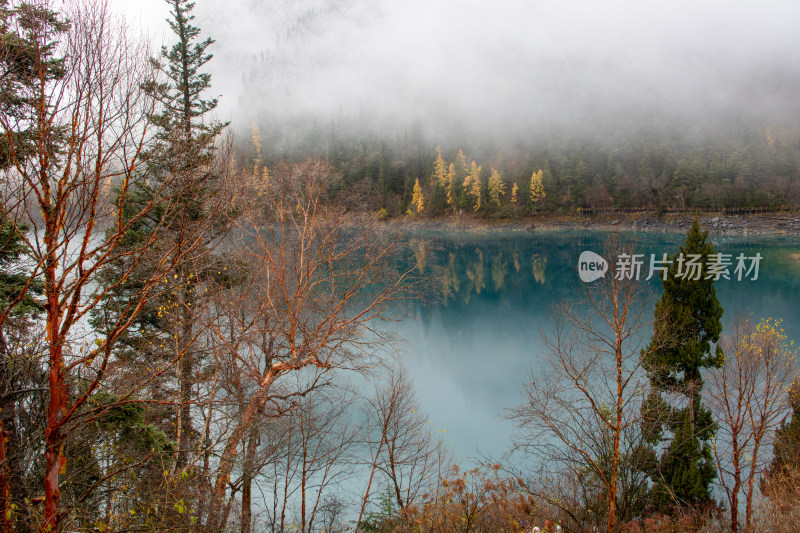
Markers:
(474, 340)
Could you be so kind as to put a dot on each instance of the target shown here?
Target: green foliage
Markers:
(186, 141)
(126, 418)
(13, 278)
(29, 35)
(385, 519)
(29, 55)
(688, 320)
(687, 323)
(185, 136)
(687, 468)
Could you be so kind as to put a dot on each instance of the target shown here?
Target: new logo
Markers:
(591, 266)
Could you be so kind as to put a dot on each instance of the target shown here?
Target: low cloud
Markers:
(505, 66)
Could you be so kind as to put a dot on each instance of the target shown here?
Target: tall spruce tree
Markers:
(686, 331)
(29, 34)
(182, 155)
(185, 151)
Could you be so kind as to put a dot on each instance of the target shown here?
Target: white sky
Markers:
(148, 15)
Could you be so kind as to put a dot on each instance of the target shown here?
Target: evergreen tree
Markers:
(29, 34)
(182, 156)
(687, 324)
(438, 196)
(16, 295)
(187, 142)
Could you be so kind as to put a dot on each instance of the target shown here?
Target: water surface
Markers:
(476, 338)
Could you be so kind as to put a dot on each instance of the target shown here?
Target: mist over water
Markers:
(507, 68)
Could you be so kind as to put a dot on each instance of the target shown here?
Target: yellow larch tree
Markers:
(497, 187)
(461, 166)
(256, 139)
(473, 181)
(449, 181)
(537, 187)
(261, 181)
(514, 190)
(439, 176)
(417, 199)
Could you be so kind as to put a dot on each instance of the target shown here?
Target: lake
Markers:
(477, 336)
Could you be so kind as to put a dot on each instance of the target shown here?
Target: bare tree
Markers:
(748, 396)
(402, 445)
(582, 405)
(317, 455)
(317, 287)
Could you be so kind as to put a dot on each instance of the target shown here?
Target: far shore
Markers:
(653, 222)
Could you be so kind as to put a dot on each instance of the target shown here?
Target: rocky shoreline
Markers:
(717, 224)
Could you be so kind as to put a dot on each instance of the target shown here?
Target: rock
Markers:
(530, 227)
(715, 220)
(614, 222)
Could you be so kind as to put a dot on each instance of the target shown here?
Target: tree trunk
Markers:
(612, 492)
(186, 381)
(5, 490)
(748, 517)
(228, 458)
(54, 460)
(247, 479)
(737, 485)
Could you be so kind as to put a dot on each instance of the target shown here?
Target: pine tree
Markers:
(187, 141)
(497, 187)
(687, 324)
(182, 155)
(29, 48)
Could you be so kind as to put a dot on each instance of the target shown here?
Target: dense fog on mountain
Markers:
(507, 66)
